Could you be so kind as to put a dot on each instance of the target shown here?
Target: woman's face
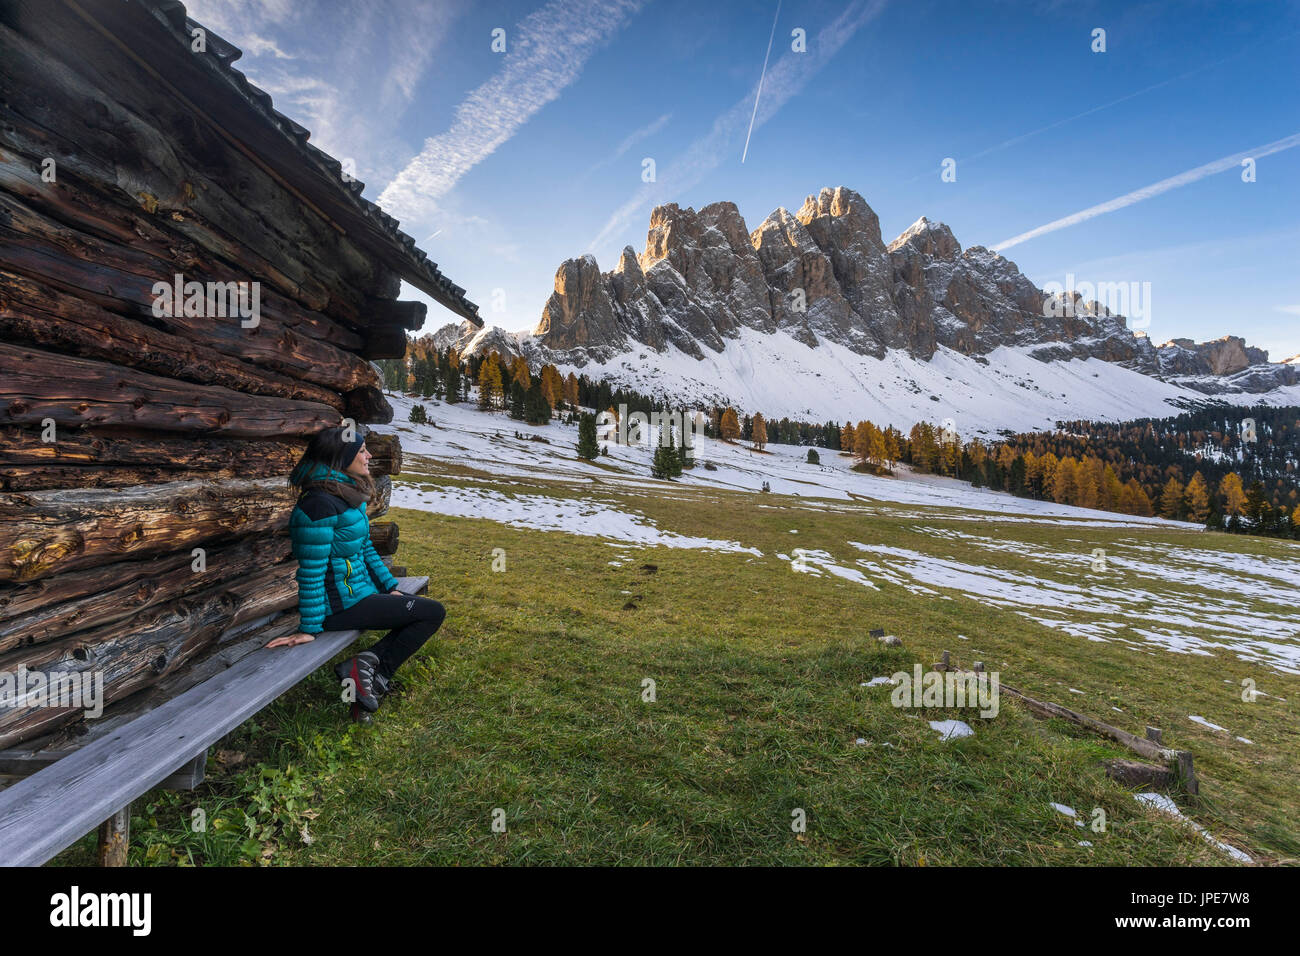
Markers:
(360, 466)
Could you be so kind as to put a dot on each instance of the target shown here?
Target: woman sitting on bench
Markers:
(342, 583)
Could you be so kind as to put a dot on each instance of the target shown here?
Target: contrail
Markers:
(760, 81)
(1155, 189)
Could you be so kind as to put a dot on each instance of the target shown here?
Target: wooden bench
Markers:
(65, 794)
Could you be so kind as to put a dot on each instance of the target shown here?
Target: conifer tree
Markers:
(759, 428)
(891, 446)
(729, 426)
(1198, 499)
(519, 372)
(1171, 499)
(1233, 494)
(489, 384)
(587, 447)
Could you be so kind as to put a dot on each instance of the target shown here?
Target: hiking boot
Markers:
(362, 670)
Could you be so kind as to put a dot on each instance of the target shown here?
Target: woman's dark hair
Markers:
(331, 448)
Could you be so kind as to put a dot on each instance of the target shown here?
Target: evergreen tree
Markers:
(1257, 508)
(536, 410)
(813, 459)
(418, 415)
(587, 437)
(832, 436)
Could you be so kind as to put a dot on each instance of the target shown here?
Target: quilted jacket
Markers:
(337, 564)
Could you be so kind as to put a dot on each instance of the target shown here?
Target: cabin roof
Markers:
(246, 114)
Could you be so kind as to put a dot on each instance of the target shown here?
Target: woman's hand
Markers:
(291, 639)
(396, 591)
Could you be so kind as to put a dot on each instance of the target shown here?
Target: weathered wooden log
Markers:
(48, 532)
(122, 279)
(71, 103)
(171, 70)
(81, 458)
(382, 498)
(97, 207)
(36, 385)
(385, 454)
(1133, 773)
(54, 607)
(1178, 761)
(383, 535)
(36, 314)
(129, 655)
(399, 314)
(385, 343)
(367, 405)
(251, 210)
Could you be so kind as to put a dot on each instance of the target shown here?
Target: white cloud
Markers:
(783, 81)
(1155, 189)
(545, 53)
(345, 69)
(645, 132)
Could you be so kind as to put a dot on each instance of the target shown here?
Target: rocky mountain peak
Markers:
(933, 239)
(824, 274)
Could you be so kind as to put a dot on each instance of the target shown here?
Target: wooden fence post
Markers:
(115, 837)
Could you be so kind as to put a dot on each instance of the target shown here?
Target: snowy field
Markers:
(1149, 594)
(463, 435)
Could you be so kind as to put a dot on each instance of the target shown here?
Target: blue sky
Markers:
(502, 165)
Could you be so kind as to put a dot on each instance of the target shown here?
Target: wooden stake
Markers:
(114, 838)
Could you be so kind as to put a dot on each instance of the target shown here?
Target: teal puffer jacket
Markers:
(337, 564)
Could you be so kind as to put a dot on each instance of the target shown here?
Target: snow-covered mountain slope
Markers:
(1007, 389)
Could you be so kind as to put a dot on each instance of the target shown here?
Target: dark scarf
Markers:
(349, 492)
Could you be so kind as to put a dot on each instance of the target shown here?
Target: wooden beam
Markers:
(37, 314)
(42, 611)
(49, 532)
(36, 385)
(383, 535)
(385, 453)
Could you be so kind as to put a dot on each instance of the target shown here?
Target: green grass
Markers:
(530, 701)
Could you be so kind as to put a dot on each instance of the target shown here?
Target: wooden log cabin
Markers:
(144, 450)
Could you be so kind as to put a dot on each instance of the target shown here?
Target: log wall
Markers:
(143, 451)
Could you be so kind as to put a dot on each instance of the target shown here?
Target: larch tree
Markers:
(520, 373)
(1197, 497)
(760, 431)
(729, 427)
(1233, 494)
(1171, 499)
(490, 393)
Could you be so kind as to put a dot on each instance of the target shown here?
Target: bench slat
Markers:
(50, 810)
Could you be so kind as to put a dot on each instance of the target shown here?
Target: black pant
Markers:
(413, 621)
